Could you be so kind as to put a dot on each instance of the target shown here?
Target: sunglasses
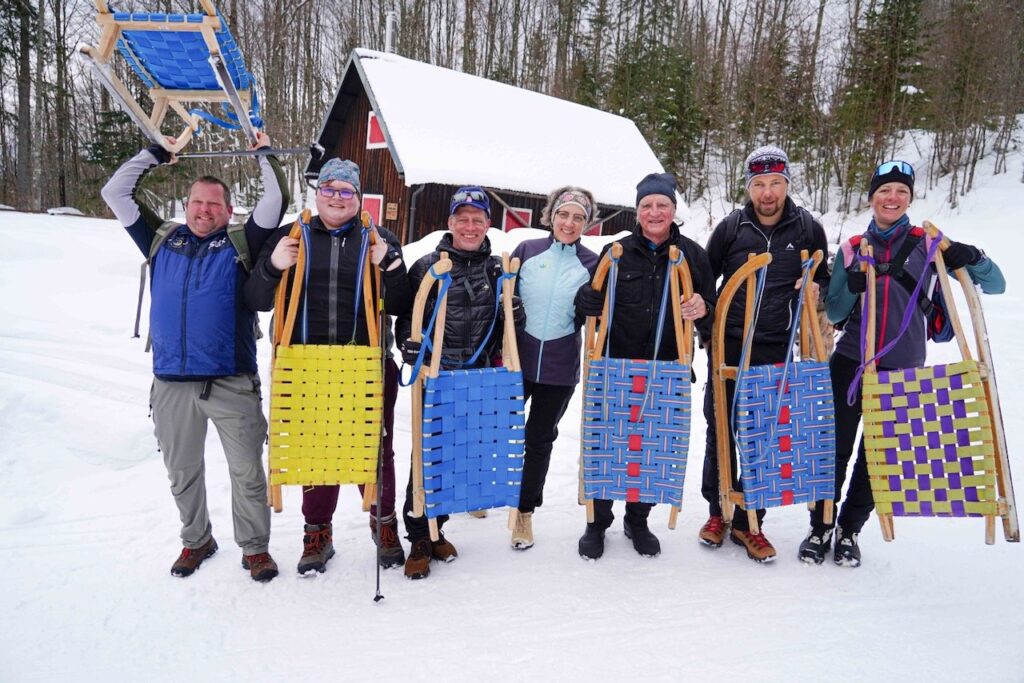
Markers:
(468, 196)
(333, 192)
(898, 166)
(767, 166)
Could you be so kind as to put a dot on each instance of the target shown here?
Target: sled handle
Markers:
(510, 345)
(284, 321)
(596, 341)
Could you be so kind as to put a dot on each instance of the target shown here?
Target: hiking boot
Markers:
(418, 564)
(713, 532)
(644, 542)
(815, 546)
(261, 566)
(592, 543)
(317, 548)
(757, 546)
(190, 558)
(522, 535)
(389, 551)
(442, 550)
(479, 514)
(847, 550)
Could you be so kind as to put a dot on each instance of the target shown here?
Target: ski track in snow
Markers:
(88, 531)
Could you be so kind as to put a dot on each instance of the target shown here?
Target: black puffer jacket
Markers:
(784, 241)
(330, 298)
(470, 309)
(638, 291)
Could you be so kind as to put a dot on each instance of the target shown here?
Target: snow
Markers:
(89, 532)
(64, 211)
(483, 132)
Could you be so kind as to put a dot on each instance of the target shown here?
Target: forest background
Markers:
(834, 83)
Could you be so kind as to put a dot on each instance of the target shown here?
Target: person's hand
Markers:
(590, 301)
(162, 154)
(518, 313)
(958, 255)
(857, 281)
(694, 309)
(262, 140)
(410, 351)
(285, 254)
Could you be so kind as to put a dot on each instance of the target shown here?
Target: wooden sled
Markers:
(786, 430)
(635, 424)
(934, 436)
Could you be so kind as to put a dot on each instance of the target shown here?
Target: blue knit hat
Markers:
(765, 160)
(657, 183)
(470, 195)
(340, 169)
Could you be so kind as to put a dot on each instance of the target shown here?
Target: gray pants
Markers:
(180, 413)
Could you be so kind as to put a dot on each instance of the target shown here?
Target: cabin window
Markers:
(374, 133)
(374, 203)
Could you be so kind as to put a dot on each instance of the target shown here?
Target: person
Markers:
(769, 222)
(892, 236)
(204, 349)
(633, 330)
(551, 270)
(333, 315)
(469, 315)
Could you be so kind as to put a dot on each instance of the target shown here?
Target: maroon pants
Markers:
(319, 502)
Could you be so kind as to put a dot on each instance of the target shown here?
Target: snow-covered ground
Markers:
(88, 531)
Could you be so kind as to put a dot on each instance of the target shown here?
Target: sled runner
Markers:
(782, 416)
(468, 423)
(636, 413)
(934, 436)
(326, 400)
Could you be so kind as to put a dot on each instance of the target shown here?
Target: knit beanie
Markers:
(340, 169)
(765, 160)
(892, 172)
(657, 183)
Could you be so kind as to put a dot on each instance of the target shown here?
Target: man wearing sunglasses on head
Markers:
(769, 222)
(333, 313)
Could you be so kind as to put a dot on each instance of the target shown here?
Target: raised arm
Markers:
(121, 195)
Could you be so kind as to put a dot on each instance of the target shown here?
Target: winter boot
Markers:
(261, 566)
(479, 514)
(317, 548)
(815, 546)
(847, 550)
(644, 542)
(757, 546)
(591, 545)
(522, 535)
(418, 564)
(389, 552)
(713, 532)
(442, 550)
(190, 558)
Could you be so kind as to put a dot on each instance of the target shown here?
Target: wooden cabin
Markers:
(418, 132)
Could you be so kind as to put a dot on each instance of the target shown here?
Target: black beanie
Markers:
(657, 183)
(892, 175)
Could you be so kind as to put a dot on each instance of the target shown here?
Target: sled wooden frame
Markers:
(1005, 502)
(99, 60)
(594, 340)
(510, 359)
(284, 325)
(811, 345)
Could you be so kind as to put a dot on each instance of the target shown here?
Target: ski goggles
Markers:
(470, 196)
(769, 165)
(890, 166)
(335, 192)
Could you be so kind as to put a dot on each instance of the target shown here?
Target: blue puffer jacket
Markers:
(550, 273)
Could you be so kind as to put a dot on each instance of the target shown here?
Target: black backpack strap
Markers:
(159, 237)
(894, 269)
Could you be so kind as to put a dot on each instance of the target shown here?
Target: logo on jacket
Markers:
(790, 247)
(218, 243)
(177, 242)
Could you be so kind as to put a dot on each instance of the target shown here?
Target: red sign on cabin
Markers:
(374, 133)
(374, 203)
(594, 230)
(517, 218)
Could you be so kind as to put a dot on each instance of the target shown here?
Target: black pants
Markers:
(547, 406)
(416, 528)
(760, 354)
(859, 501)
(636, 513)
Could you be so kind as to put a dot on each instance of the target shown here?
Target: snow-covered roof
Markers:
(454, 128)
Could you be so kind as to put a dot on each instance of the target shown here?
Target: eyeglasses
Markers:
(468, 196)
(898, 166)
(766, 166)
(329, 192)
(577, 218)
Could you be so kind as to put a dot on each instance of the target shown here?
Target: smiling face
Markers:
(336, 211)
(654, 213)
(768, 195)
(469, 228)
(889, 203)
(208, 209)
(567, 223)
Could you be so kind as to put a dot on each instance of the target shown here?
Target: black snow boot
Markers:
(644, 542)
(592, 543)
(815, 546)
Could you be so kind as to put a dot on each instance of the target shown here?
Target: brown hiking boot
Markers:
(418, 564)
(261, 566)
(522, 535)
(317, 548)
(443, 550)
(190, 558)
(713, 532)
(389, 551)
(757, 546)
(479, 514)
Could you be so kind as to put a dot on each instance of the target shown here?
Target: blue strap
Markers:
(748, 340)
(425, 345)
(664, 302)
(305, 283)
(613, 276)
(364, 245)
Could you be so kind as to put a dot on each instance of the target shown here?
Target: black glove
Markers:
(518, 313)
(161, 154)
(958, 255)
(410, 351)
(589, 301)
(857, 281)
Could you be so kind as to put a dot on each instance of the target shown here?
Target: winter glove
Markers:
(589, 301)
(958, 255)
(161, 154)
(857, 281)
(410, 351)
(518, 313)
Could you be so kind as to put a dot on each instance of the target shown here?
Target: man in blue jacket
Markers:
(204, 349)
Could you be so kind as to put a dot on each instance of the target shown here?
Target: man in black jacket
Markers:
(769, 222)
(634, 328)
